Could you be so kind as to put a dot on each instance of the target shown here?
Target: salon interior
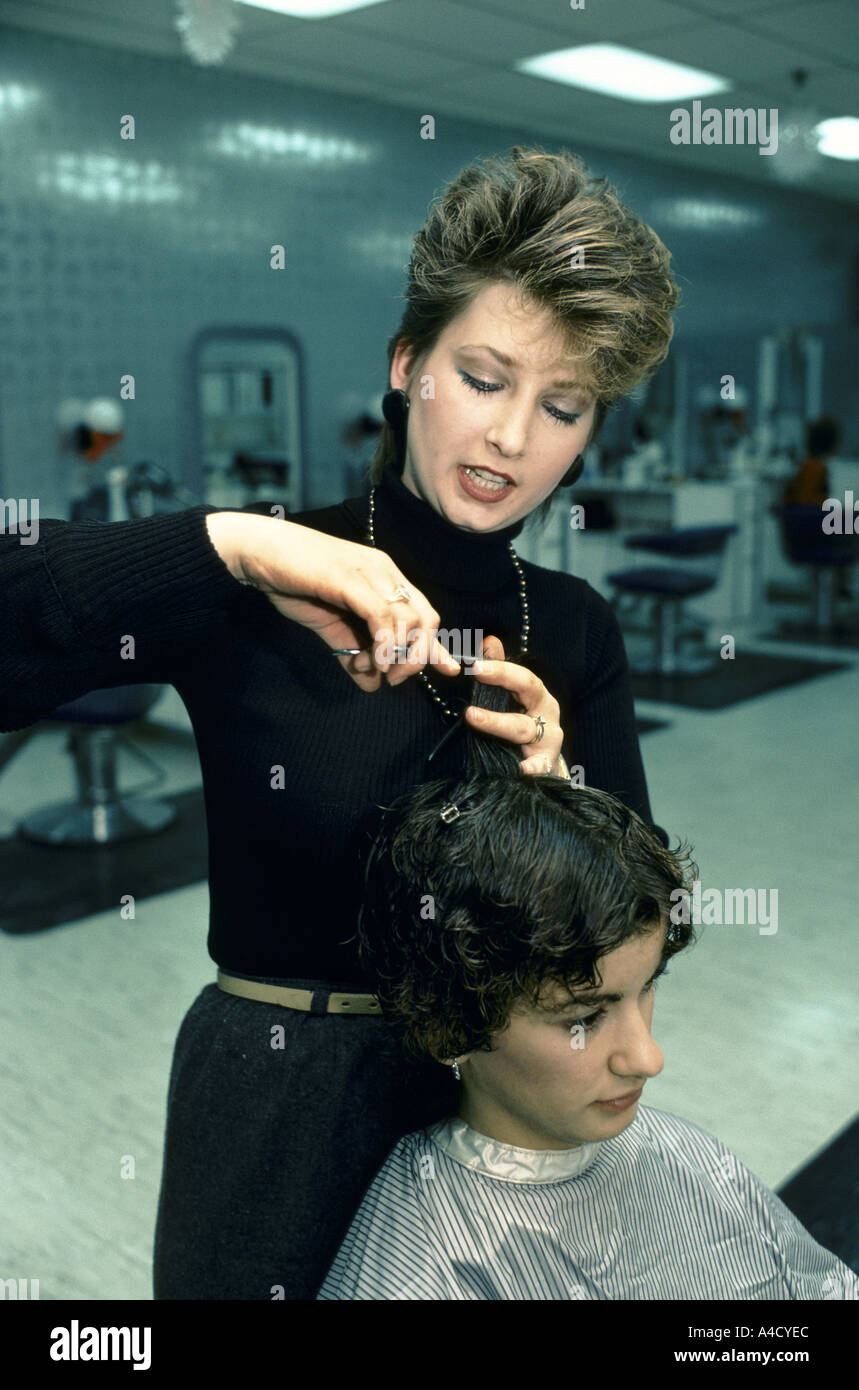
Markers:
(715, 512)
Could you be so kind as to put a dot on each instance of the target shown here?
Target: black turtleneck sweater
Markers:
(265, 693)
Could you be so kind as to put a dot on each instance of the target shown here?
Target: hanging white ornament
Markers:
(208, 28)
(797, 155)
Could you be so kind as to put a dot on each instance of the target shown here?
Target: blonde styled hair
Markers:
(564, 240)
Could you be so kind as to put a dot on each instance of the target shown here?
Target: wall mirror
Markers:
(246, 418)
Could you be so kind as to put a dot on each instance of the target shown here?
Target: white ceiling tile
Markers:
(717, 9)
(449, 26)
(835, 90)
(618, 19)
(112, 15)
(90, 25)
(455, 57)
(729, 49)
(364, 54)
(828, 28)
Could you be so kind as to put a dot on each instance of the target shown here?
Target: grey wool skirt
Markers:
(270, 1148)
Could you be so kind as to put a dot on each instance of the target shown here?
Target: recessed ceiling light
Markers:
(616, 71)
(311, 9)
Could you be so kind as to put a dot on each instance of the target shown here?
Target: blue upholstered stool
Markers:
(805, 543)
(668, 587)
(101, 815)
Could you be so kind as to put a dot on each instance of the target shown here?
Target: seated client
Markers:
(516, 927)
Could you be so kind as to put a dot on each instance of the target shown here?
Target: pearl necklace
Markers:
(523, 596)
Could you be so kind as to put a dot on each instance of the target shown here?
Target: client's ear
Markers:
(454, 1061)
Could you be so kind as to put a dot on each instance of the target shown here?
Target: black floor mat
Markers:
(839, 635)
(824, 1196)
(749, 675)
(48, 885)
(646, 726)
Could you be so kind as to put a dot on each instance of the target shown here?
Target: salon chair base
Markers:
(638, 617)
(102, 814)
(70, 823)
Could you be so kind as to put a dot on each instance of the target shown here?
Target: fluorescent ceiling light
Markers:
(616, 71)
(311, 9)
(839, 138)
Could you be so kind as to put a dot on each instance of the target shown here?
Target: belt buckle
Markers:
(343, 1003)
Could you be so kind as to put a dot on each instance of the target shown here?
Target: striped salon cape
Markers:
(660, 1211)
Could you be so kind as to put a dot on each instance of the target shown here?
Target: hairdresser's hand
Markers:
(539, 758)
(328, 584)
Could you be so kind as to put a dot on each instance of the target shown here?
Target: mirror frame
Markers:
(192, 471)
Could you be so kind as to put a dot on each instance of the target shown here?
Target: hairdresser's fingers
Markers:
(522, 729)
(327, 584)
(536, 730)
(531, 693)
(391, 620)
(524, 684)
(418, 648)
(540, 765)
(493, 649)
(408, 624)
(405, 640)
(549, 755)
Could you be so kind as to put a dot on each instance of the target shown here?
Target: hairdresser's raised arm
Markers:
(89, 605)
(338, 589)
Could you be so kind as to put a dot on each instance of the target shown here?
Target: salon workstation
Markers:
(207, 216)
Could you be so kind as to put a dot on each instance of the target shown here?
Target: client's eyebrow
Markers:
(579, 998)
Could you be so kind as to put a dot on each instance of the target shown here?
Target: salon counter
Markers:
(592, 553)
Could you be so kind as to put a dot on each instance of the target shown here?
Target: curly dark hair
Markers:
(531, 882)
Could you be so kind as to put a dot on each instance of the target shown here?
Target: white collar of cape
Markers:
(506, 1161)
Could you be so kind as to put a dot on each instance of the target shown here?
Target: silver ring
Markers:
(400, 651)
(400, 595)
(541, 727)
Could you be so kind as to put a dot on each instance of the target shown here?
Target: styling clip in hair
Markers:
(449, 813)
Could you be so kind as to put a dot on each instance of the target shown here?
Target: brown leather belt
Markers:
(297, 998)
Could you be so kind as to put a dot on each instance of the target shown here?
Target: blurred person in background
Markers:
(809, 485)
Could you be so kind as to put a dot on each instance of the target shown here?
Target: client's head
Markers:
(517, 924)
